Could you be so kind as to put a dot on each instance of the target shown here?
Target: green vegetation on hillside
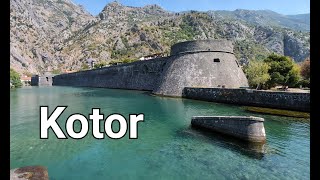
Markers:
(100, 65)
(84, 67)
(27, 73)
(122, 61)
(15, 78)
(250, 50)
(121, 32)
(56, 71)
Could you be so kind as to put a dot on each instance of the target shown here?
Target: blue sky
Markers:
(286, 7)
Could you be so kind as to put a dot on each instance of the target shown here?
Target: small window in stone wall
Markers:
(216, 60)
(47, 78)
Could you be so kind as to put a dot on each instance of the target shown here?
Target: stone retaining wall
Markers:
(142, 75)
(271, 99)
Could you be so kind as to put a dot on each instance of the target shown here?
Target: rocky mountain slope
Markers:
(57, 34)
(300, 22)
(38, 29)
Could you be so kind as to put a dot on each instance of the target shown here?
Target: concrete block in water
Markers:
(29, 172)
(246, 128)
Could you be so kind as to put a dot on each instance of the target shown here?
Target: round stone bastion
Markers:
(202, 46)
(200, 64)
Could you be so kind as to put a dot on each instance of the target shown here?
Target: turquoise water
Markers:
(167, 147)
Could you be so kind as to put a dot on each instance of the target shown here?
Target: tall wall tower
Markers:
(202, 63)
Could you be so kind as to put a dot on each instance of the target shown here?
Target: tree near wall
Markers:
(56, 71)
(305, 69)
(15, 78)
(257, 73)
(122, 61)
(283, 71)
(84, 67)
(305, 73)
(100, 65)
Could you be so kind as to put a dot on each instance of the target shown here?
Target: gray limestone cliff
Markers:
(60, 35)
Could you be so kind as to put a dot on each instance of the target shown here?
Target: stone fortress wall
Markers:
(203, 63)
(141, 75)
(204, 69)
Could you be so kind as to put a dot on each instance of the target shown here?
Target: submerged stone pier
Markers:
(246, 128)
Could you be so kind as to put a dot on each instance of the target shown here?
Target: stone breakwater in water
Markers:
(204, 63)
(246, 128)
(248, 97)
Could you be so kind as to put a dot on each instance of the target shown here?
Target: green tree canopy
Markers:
(15, 78)
(100, 64)
(257, 73)
(114, 62)
(283, 71)
(84, 67)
